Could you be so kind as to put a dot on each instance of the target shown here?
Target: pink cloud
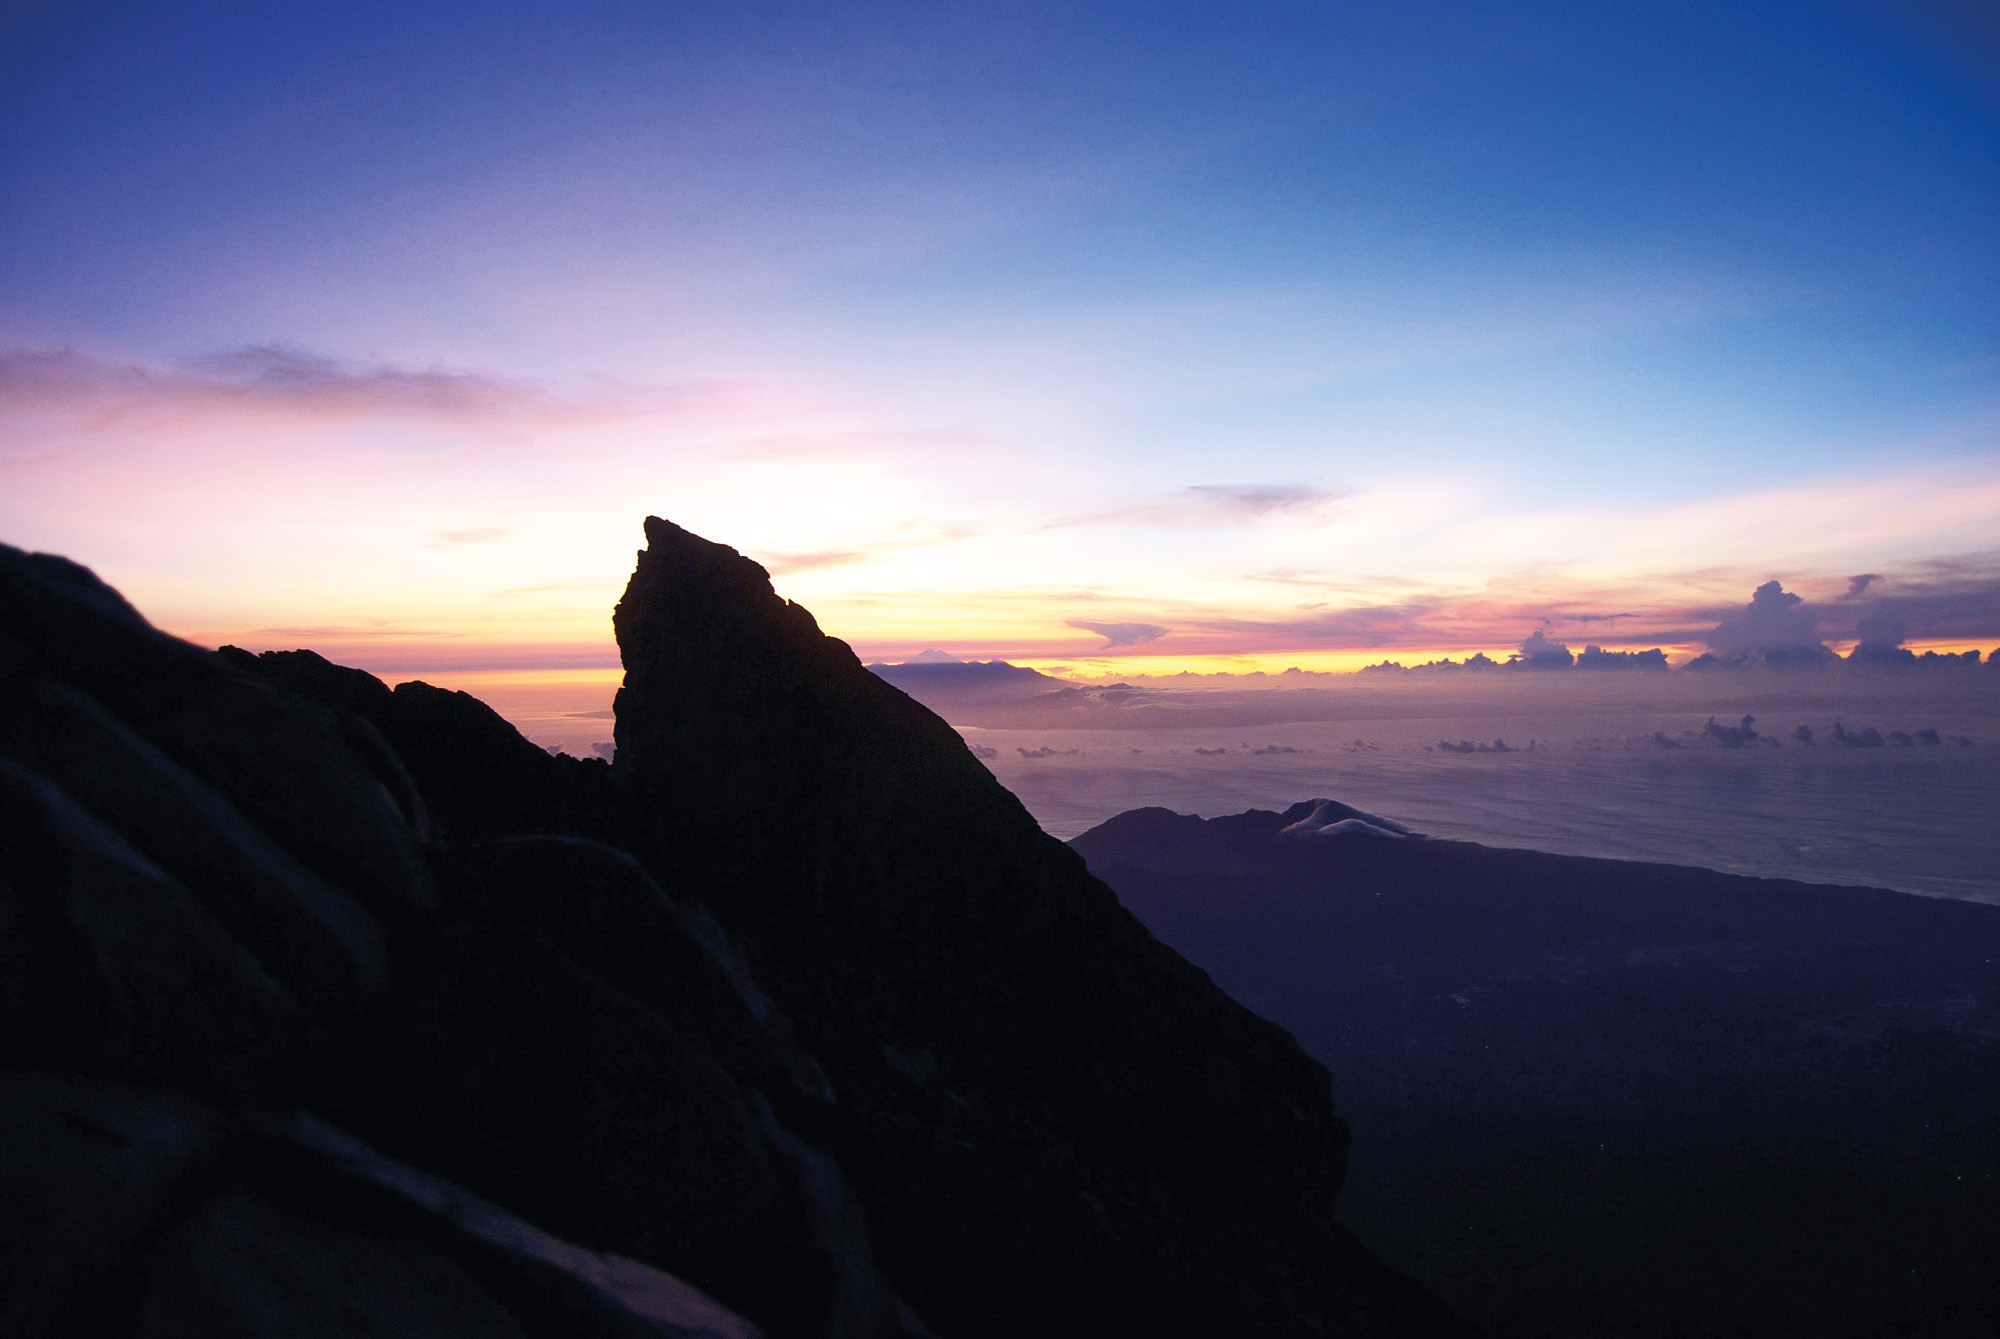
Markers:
(269, 382)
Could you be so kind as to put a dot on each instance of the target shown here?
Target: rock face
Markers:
(331, 1009)
(233, 947)
(1037, 1090)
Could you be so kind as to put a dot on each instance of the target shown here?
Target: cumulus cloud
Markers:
(1774, 620)
(1885, 629)
(1957, 598)
(1540, 651)
(1122, 634)
(1859, 584)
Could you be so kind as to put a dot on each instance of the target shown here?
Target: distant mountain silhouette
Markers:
(956, 682)
(327, 1009)
(1595, 1097)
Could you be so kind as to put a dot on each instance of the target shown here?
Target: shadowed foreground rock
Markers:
(330, 1009)
(1036, 1088)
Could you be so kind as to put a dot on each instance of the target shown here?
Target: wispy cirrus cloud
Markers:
(268, 381)
(446, 539)
(341, 632)
(786, 564)
(1122, 634)
(1214, 504)
(1263, 499)
(855, 551)
(548, 588)
(1402, 623)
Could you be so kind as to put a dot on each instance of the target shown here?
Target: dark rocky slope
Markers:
(331, 1009)
(1594, 1097)
(1037, 1089)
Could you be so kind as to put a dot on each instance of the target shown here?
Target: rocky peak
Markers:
(1001, 1032)
(792, 1019)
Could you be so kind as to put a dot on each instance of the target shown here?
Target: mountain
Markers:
(328, 1009)
(1041, 1090)
(948, 683)
(1602, 1098)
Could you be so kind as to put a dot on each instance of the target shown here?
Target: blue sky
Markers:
(1528, 305)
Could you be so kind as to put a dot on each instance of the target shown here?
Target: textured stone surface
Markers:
(124, 972)
(554, 1285)
(304, 929)
(1050, 1113)
(242, 1267)
(790, 1016)
(88, 1170)
(227, 891)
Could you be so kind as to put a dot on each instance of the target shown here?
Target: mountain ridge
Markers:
(1605, 1097)
(791, 1019)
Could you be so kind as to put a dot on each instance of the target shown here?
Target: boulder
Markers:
(288, 764)
(135, 1210)
(280, 759)
(121, 970)
(553, 1286)
(242, 1267)
(519, 1074)
(89, 1170)
(606, 913)
(311, 934)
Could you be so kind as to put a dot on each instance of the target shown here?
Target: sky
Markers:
(1151, 334)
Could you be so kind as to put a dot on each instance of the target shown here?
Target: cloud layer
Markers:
(269, 382)
(267, 488)
(1122, 634)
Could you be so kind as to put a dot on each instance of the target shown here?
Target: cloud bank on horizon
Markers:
(1027, 331)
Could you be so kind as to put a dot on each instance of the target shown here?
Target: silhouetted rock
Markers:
(90, 1171)
(310, 933)
(241, 1267)
(1036, 1089)
(136, 1210)
(552, 1286)
(116, 968)
(827, 1022)
(216, 887)
(476, 775)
